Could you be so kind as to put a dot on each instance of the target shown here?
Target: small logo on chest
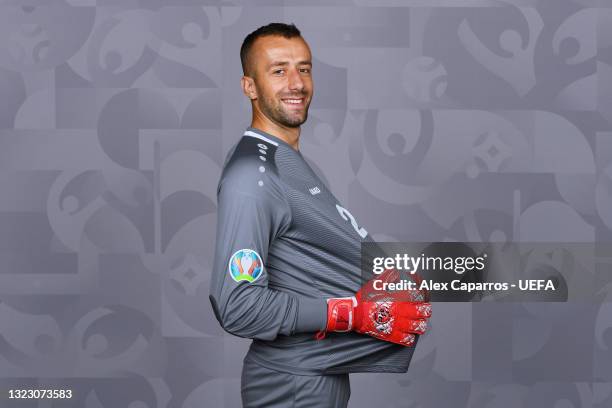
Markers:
(314, 190)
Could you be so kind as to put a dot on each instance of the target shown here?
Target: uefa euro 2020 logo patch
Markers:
(245, 265)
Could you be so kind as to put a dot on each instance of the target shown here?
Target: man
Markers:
(287, 260)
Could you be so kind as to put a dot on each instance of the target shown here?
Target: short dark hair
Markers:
(280, 29)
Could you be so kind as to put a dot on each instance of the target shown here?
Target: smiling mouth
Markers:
(296, 102)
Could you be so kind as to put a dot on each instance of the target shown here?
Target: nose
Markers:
(295, 80)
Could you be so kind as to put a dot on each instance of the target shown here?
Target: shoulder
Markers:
(250, 168)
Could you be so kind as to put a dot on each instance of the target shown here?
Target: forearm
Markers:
(262, 313)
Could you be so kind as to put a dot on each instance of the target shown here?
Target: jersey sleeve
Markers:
(249, 219)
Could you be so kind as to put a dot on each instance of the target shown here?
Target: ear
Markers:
(248, 87)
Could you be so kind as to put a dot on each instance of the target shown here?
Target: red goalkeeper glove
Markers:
(394, 316)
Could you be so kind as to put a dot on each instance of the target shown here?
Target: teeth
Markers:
(293, 101)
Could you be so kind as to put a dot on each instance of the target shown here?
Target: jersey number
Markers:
(344, 213)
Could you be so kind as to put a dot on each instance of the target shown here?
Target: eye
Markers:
(305, 70)
(278, 71)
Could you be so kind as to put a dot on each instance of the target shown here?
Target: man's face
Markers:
(281, 69)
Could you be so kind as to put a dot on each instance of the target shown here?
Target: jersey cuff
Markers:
(311, 315)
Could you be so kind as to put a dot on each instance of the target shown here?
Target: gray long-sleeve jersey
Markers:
(285, 245)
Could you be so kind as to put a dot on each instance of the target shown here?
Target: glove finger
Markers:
(414, 296)
(419, 326)
(423, 309)
(418, 280)
(403, 296)
(413, 310)
(389, 275)
(416, 326)
(407, 339)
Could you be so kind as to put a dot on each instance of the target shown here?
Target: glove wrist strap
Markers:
(340, 315)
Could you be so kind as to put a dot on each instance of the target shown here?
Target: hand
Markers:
(396, 316)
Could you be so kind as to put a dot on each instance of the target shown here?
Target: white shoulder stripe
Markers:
(258, 136)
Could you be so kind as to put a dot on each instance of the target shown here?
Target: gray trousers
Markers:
(265, 388)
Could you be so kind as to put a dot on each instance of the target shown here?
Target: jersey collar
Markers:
(267, 137)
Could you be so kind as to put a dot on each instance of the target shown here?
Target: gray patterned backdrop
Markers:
(432, 120)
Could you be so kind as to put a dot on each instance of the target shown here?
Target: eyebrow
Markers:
(285, 63)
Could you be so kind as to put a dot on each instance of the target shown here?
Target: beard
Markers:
(274, 109)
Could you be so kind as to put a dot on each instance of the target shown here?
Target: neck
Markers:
(290, 135)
